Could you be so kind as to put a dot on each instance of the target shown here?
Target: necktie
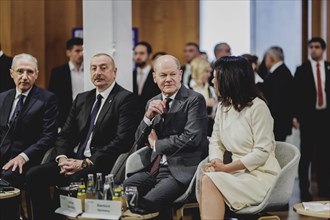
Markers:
(18, 108)
(156, 162)
(319, 85)
(82, 146)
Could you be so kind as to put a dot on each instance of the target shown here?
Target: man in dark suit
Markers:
(5, 80)
(312, 99)
(175, 126)
(67, 80)
(143, 84)
(191, 51)
(28, 121)
(277, 88)
(100, 127)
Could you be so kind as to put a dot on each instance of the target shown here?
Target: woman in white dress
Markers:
(243, 126)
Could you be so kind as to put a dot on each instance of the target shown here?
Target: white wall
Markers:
(277, 23)
(225, 21)
(108, 29)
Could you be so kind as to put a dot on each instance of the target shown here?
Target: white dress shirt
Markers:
(77, 79)
(141, 77)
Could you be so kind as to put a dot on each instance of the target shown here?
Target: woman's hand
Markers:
(215, 165)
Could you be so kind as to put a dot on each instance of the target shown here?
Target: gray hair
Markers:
(24, 56)
(166, 57)
(276, 53)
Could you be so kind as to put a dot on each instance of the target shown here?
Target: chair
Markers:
(136, 162)
(280, 193)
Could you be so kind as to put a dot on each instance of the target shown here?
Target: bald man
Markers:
(175, 126)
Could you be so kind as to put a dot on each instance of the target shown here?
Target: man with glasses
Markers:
(312, 86)
(28, 121)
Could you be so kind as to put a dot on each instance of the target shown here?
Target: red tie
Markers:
(319, 85)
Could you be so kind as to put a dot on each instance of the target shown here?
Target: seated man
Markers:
(100, 127)
(177, 139)
(28, 121)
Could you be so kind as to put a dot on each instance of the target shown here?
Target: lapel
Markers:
(149, 80)
(67, 79)
(178, 101)
(30, 100)
(310, 77)
(106, 107)
(87, 109)
(327, 73)
(8, 103)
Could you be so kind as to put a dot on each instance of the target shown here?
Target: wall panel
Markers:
(167, 25)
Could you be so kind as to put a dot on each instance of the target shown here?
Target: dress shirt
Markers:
(77, 79)
(275, 66)
(1, 53)
(142, 75)
(186, 74)
(322, 71)
(18, 93)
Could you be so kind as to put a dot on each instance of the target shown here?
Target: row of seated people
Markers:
(102, 123)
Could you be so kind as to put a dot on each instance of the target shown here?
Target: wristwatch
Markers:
(84, 164)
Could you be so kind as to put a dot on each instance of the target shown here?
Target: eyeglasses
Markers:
(314, 46)
(29, 72)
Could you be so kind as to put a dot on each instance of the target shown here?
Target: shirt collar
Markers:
(274, 67)
(145, 70)
(24, 93)
(73, 67)
(1, 53)
(313, 62)
(106, 92)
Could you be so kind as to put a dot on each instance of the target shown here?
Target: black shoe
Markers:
(306, 197)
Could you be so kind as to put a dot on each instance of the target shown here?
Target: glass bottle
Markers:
(90, 192)
(81, 194)
(106, 189)
(99, 186)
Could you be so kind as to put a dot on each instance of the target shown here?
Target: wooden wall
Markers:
(41, 28)
(167, 25)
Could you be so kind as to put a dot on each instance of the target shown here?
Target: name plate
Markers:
(102, 209)
(69, 206)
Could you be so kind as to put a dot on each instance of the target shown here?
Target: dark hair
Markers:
(216, 47)
(319, 40)
(160, 53)
(74, 41)
(251, 58)
(194, 45)
(146, 44)
(236, 84)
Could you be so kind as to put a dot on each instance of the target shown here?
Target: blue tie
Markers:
(82, 146)
(18, 108)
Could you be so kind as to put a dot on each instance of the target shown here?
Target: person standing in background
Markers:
(144, 86)
(67, 80)
(6, 81)
(278, 90)
(191, 51)
(312, 112)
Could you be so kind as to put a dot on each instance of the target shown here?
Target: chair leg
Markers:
(180, 211)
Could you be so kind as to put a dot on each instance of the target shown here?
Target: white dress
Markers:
(249, 136)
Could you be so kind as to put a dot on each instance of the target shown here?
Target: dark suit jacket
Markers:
(185, 128)
(60, 85)
(6, 82)
(305, 91)
(113, 132)
(36, 127)
(150, 89)
(278, 90)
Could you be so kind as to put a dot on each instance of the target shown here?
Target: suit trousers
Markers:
(315, 146)
(40, 178)
(160, 196)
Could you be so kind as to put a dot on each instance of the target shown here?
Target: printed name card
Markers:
(69, 206)
(102, 209)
